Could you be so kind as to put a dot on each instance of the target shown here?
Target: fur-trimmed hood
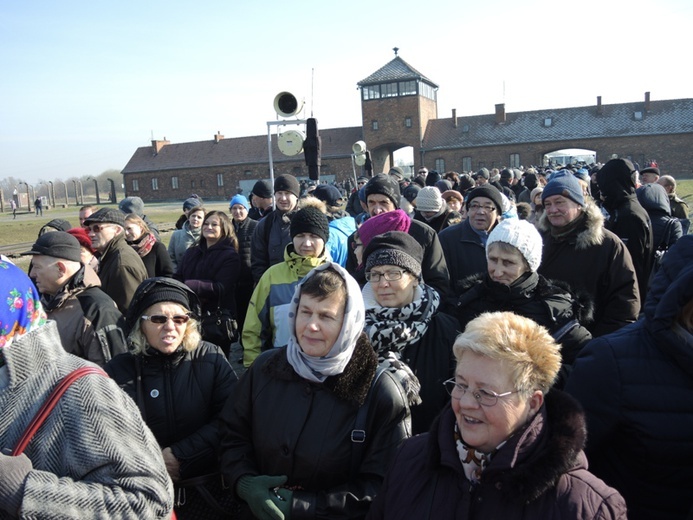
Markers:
(351, 385)
(532, 462)
(589, 233)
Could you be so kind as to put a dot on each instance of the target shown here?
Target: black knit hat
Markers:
(310, 220)
(160, 289)
(490, 192)
(288, 183)
(384, 184)
(262, 189)
(395, 248)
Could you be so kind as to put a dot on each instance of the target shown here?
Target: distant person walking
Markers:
(38, 205)
(13, 205)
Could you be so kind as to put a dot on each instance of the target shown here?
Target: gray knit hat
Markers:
(395, 248)
(429, 199)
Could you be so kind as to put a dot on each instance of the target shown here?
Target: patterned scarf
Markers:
(144, 244)
(391, 329)
(473, 462)
(20, 306)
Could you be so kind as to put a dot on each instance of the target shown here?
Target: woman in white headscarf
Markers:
(294, 444)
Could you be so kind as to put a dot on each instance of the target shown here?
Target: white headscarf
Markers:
(318, 369)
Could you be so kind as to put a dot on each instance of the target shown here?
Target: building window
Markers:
(465, 129)
(220, 179)
(466, 164)
(374, 125)
(155, 184)
(427, 91)
(174, 183)
(371, 92)
(388, 90)
(248, 172)
(407, 88)
(135, 185)
(192, 184)
(548, 121)
(440, 166)
(637, 115)
(514, 160)
(407, 122)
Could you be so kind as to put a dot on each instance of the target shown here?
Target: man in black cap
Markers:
(260, 200)
(382, 196)
(89, 323)
(271, 235)
(464, 244)
(649, 175)
(481, 177)
(121, 268)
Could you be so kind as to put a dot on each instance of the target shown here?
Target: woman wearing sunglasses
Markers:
(505, 447)
(402, 319)
(179, 382)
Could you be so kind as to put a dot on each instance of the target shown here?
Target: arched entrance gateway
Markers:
(565, 156)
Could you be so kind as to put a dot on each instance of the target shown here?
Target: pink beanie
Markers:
(396, 220)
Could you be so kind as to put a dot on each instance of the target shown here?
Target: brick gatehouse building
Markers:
(399, 109)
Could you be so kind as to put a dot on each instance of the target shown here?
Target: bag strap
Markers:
(50, 403)
(358, 434)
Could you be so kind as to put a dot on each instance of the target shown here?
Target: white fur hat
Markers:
(521, 235)
(429, 199)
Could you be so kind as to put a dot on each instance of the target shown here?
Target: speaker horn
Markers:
(359, 147)
(287, 105)
(360, 159)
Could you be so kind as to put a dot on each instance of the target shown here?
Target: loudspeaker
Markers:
(290, 142)
(287, 105)
(358, 147)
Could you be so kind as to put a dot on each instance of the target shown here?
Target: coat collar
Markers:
(591, 233)
(351, 385)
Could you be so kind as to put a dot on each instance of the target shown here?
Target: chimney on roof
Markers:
(218, 137)
(454, 118)
(500, 114)
(600, 110)
(647, 101)
(158, 145)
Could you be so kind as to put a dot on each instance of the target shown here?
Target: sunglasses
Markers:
(160, 319)
(96, 228)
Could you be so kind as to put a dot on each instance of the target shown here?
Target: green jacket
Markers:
(266, 324)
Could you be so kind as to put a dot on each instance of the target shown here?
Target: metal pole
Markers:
(74, 184)
(271, 162)
(96, 187)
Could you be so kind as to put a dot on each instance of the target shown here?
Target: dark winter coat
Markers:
(89, 323)
(539, 474)
(212, 273)
(592, 259)
(629, 221)
(180, 396)
(157, 261)
(445, 220)
(270, 238)
(281, 424)
(121, 271)
(244, 287)
(546, 302)
(465, 254)
(636, 386)
(666, 230)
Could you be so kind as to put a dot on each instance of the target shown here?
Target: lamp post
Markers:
(113, 191)
(28, 198)
(74, 184)
(96, 188)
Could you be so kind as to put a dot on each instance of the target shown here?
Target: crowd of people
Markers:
(462, 345)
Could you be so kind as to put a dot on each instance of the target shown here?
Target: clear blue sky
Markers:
(86, 83)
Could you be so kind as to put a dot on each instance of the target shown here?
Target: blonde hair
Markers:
(137, 220)
(527, 347)
(138, 341)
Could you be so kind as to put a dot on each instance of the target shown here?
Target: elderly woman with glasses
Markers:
(505, 447)
(180, 384)
(402, 319)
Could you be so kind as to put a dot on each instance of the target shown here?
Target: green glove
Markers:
(283, 498)
(259, 494)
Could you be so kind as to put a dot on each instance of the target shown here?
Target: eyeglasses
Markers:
(484, 397)
(390, 276)
(356, 245)
(160, 319)
(488, 208)
(96, 228)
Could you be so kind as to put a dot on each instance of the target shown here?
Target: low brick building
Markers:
(399, 109)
